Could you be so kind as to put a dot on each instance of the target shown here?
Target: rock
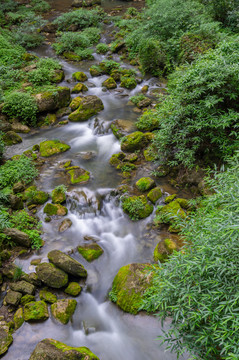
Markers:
(57, 76)
(90, 252)
(53, 349)
(95, 70)
(79, 88)
(50, 119)
(67, 263)
(129, 286)
(12, 271)
(170, 214)
(170, 198)
(79, 76)
(73, 289)
(52, 147)
(89, 106)
(144, 103)
(31, 278)
(63, 310)
(145, 184)
(137, 207)
(18, 236)
(5, 126)
(12, 298)
(18, 318)
(35, 261)
(5, 255)
(5, 340)
(50, 275)
(116, 159)
(11, 138)
(34, 196)
(56, 209)
(85, 3)
(20, 128)
(15, 202)
(134, 141)
(52, 100)
(164, 249)
(23, 287)
(75, 103)
(128, 82)
(154, 194)
(150, 154)
(18, 187)
(109, 83)
(26, 299)
(78, 175)
(65, 225)
(122, 127)
(145, 89)
(58, 195)
(49, 28)
(36, 311)
(47, 296)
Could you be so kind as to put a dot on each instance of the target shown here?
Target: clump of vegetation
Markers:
(21, 105)
(80, 18)
(44, 72)
(198, 288)
(102, 48)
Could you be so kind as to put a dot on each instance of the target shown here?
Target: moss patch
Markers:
(145, 184)
(90, 252)
(134, 141)
(164, 249)
(78, 175)
(52, 147)
(58, 195)
(109, 83)
(79, 76)
(73, 289)
(154, 194)
(47, 296)
(89, 106)
(79, 88)
(36, 310)
(128, 82)
(137, 207)
(34, 196)
(57, 209)
(18, 318)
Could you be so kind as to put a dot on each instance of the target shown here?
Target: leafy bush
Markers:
(82, 18)
(198, 288)
(137, 98)
(21, 169)
(85, 54)
(4, 219)
(102, 48)
(40, 6)
(44, 72)
(21, 105)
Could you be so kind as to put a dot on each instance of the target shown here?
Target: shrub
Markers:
(81, 18)
(102, 48)
(22, 106)
(44, 73)
(198, 288)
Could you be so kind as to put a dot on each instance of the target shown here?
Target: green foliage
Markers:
(1, 145)
(198, 288)
(102, 48)
(40, 6)
(137, 98)
(18, 272)
(85, 54)
(21, 169)
(113, 296)
(44, 72)
(81, 18)
(27, 33)
(21, 105)
(4, 219)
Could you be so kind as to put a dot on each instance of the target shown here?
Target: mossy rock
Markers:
(63, 309)
(72, 56)
(47, 296)
(36, 311)
(11, 138)
(75, 103)
(57, 76)
(170, 213)
(52, 147)
(50, 119)
(18, 318)
(78, 175)
(23, 287)
(12, 298)
(95, 71)
(73, 289)
(90, 252)
(170, 198)
(164, 249)
(50, 275)
(126, 166)
(145, 184)
(137, 207)
(67, 263)
(150, 154)
(55, 209)
(34, 196)
(65, 225)
(109, 83)
(79, 88)
(79, 76)
(116, 159)
(53, 349)
(134, 141)
(154, 194)
(129, 286)
(27, 298)
(58, 195)
(128, 82)
(89, 106)
(5, 340)
(52, 100)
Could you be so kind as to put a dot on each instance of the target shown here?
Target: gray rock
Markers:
(18, 236)
(23, 287)
(51, 275)
(12, 298)
(67, 263)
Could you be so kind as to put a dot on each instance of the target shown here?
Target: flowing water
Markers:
(95, 212)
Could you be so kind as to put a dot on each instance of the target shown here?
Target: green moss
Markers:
(58, 195)
(137, 207)
(116, 159)
(5, 341)
(154, 194)
(52, 147)
(18, 318)
(88, 107)
(11, 138)
(109, 83)
(170, 198)
(170, 245)
(134, 141)
(150, 154)
(72, 56)
(86, 353)
(79, 76)
(90, 252)
(73, 289)
(47, 296)
(56, 209)
(52, 276)
(36, 310)
(78, 175)
(126, 166)
(95, 70)
(75, 103)
(184, 203)
(34, 196)
(164, 249)
(79, 88)
(63, 310)
(170, 213)
(26, 299)
(128, 82)
(145, 184)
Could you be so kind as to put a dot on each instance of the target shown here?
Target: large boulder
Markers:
(109, 83)
(145, 184)
(137, 207)
(55, 209)
(52, 147)
(77, 175)
(36, 311)
(67, 263)
(12, 298)
(34, 196)
(52, 100)
(134, 141)
(58, 195)
(89, 106)
(129, 286)
(23, 287)
(50, 349)
(18, 236)
(63, 309)
(11, 138)
(164, 249)
(121, 127)
(50, 275)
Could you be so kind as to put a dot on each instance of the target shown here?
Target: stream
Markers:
(95, 212)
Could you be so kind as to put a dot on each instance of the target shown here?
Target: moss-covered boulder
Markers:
(134, 141)
(95, 70)
(65, 225)
(36, 311)
(52, 147)
(128, 82)
(89, 106)
(90, 252)
(129, 286)
(63, 309)
(145, 184)
(73, 289)
(164, 249)
(5, 340)
(77, 175)
(170, 198)
(12, 298)
(109, 83)
(170, 213)
(27, 298)
(18, 237)
(23, 287)
(75, 103)
(18, 318)
(55, 209)
(137, 207)
(50, 275)
(58, 195)
(11, 138)
(122, 127)
(34, 196)
(52, 100)
(116, 159)
(79, 76)
(57, 76)
(79, 88)
(67, 263)
(53, 349)
(154, 194)
(47, 296)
